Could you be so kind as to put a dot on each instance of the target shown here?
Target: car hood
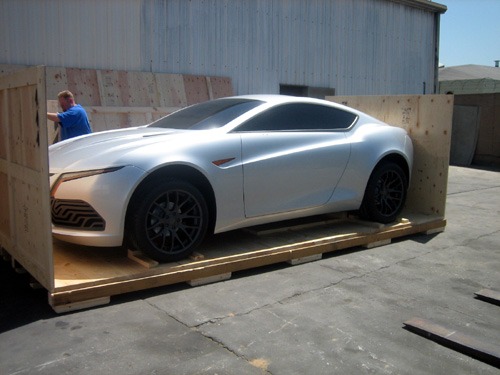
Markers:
(113, 148)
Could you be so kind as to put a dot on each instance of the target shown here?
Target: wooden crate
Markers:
(427, 119)
(24, 180)
(77, 276)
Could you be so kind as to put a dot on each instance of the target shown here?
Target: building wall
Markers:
(356, 47)
(487, 151)
(470, 86)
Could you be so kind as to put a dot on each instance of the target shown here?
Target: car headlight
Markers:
(82, 174)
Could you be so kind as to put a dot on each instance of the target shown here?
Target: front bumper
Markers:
(91, 210)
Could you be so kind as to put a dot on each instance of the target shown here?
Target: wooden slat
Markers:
(489, 295)
(456, 340)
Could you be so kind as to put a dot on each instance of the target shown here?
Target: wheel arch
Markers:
(180, 172)
(383, 203)
(398, 159)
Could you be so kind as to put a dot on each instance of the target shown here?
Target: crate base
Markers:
(85, 275)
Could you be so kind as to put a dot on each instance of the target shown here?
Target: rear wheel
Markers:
(385, 193)
(170, 220)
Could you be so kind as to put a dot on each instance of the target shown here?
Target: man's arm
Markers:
(52, 117)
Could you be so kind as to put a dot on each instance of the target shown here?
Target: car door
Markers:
(291, 160)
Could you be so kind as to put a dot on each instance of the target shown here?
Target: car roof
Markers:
(275, 98)
(281, 99)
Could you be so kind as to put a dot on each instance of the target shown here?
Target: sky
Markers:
(470, 32)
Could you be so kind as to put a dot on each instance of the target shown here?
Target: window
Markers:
(307, 91)
(300, 117)
(207, 115)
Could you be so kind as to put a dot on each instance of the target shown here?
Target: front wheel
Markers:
(385, 193)
(170, 220)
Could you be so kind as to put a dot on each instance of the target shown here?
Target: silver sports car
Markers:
(225, 164)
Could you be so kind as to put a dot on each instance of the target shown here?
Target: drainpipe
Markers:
(437, 24)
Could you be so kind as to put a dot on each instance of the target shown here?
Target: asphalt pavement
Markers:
(343, 314)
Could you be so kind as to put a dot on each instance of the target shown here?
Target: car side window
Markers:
(208, 115)
(299, 117)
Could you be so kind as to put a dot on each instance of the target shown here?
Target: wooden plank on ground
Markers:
(489, 295)
(456, 340)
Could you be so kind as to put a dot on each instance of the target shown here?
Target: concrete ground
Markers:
(343, 314)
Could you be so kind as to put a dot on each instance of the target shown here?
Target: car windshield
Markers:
(209, 115)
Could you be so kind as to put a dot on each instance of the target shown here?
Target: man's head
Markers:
(66, 100)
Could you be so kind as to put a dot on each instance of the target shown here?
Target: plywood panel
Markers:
(148, 96)
(109, 87)
(108, 118)
(196, 89)
(56, 81)
(171, 90)
(140, 90)
(118, 88)
(84, 85)
(131, 89)
(428, 120)
(219, 87)
(24, 173)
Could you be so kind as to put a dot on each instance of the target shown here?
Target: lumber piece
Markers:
(139, 257)
(434, 231)
(456, 340)
(210, 279)
(311, 258)
(196, 256)
(374, 244)
(489, 295)
(79, 305)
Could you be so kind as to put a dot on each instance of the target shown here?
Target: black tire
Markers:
(385, 193)
(170, 220)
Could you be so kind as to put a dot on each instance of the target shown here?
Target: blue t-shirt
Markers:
(74, 122)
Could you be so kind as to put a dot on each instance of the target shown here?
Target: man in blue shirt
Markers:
(73, 119)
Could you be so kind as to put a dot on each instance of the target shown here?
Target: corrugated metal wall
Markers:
(355, 46)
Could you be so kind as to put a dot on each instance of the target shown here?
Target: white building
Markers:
(311, 47)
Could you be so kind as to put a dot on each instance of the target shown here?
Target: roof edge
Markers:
(424, 4)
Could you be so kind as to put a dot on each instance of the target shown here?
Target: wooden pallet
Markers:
(90, 276)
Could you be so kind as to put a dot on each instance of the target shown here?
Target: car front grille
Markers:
(76, 214)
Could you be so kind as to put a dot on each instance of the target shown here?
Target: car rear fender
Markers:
(385, 143)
